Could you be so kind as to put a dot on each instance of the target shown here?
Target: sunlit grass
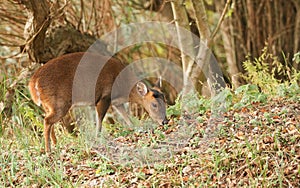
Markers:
(256, 145)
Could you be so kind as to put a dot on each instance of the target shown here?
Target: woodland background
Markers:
(256, 43)
(46, 29)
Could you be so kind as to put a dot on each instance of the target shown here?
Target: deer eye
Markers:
(154, 105)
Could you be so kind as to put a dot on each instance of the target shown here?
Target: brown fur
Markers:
(51, 86)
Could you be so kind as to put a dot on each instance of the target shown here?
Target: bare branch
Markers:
(219, 22)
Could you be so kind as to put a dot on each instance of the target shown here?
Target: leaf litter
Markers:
(257, 145)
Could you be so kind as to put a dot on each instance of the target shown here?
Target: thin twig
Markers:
(11, 56)
(220, 21)
(81, 16)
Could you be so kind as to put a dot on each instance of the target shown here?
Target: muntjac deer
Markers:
(51, 86)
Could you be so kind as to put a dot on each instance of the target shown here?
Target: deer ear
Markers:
(141, 88)
(158, 82)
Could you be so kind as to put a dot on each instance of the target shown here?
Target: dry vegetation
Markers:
(256, 142)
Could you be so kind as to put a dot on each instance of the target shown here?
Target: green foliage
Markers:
(291, 90)
(259, 71)
(191, 102)
(267, 72)
(249, 93)
(175, 109)
(223, 99)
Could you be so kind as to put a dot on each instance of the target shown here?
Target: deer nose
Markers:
(165, 121)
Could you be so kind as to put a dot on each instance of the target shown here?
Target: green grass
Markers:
(257, 145)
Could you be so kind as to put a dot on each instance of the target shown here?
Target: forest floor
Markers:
(256, 144)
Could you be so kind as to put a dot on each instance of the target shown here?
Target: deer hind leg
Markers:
(47, 130)
(102, 107)
(52, 135)
(53, 115)
(49, 122)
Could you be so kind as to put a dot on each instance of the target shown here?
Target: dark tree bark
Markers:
(35, 29)
(48, 36)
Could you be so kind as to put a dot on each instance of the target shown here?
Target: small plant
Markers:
(267, 72)
(191, 102)
(249, 93)
(222, 100)
(291, 90)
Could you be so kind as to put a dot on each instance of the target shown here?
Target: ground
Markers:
(256, 144)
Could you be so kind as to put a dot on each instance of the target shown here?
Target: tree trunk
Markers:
(185, 42)
(297, 32)
(229, 44)
(201, 20)
(39, 19)
(47, 38)
(209, 66)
